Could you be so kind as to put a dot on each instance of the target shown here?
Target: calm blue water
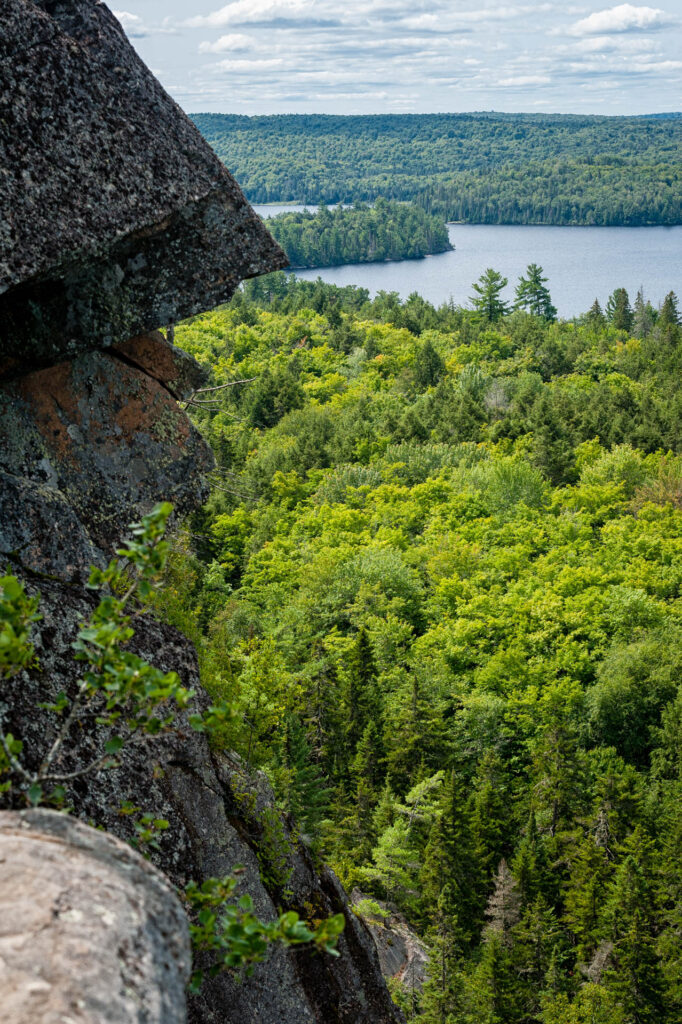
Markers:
(581, 263)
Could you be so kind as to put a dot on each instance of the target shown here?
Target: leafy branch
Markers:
(129, 700)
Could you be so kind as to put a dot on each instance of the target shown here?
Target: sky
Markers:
(414, 56)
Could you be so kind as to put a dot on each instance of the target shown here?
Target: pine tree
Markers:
(487, 301)
(533, 295)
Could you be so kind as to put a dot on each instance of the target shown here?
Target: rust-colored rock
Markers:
(172, 367)
(88, 446)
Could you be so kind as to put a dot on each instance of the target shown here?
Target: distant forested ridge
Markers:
(362, 234)
(481, 168)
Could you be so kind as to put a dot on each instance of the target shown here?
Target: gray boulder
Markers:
(89, 931)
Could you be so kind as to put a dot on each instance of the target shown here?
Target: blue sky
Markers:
(369, 56)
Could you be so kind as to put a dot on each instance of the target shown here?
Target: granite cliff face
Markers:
(115, 217)
(115, 220)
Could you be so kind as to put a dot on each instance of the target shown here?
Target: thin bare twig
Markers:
(218, 387)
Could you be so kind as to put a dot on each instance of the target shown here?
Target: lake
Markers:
(581, 263)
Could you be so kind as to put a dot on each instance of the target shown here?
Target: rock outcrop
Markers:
(402, 954)
(115, 220)
(91, 444)
(116, 217)
(89, 931)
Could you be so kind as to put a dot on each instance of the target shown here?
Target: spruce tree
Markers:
(642, 321)
(585, 894)
(635, 975)
(307, 794)
(442, 996)
(428, 367)
(362, 699)
(595, 316)
(619, 311)
(669, 315)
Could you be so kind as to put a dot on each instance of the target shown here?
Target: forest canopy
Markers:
(481, 168)
(361, 234)
(439, 578)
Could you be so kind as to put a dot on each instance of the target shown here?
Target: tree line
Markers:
(361, 234)
(481, 168)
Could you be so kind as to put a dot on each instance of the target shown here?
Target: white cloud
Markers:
(132, 23)
(269, 64)
(235, 41)
(241, 11)
(623, 18)
(611, 44)
(525, 80)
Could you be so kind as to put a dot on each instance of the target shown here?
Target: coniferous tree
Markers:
(619, 311)
(428, 367)
(362, 699)
(307, 792)
(669, 315)
(531, 867)
(642, 320)
(533, 295)
(491, 991)
(595, 317)
(442, 996)
(634, 975)
(585, 894)
(487, 301)
(504, 906)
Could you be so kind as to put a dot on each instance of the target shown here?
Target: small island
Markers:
(388, 230)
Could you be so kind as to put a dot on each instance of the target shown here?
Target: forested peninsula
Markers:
(481, 168)
(439, 580)
(361, 234)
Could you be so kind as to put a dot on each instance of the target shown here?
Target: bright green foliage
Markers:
(17, 612)
(457, 565)
(234, 938)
